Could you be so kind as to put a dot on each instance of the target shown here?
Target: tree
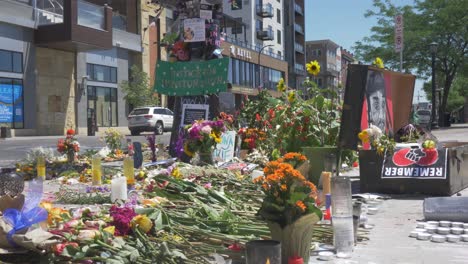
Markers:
(138, 91)
(441, 21)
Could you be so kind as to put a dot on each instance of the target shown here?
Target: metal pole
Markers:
(401, 60)
(259, 55)
(433, 108)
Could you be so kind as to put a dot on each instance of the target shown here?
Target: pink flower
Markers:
(122, 216)
(207, 185)
(206, 130)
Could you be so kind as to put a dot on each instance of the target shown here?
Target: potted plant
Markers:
(289, 206)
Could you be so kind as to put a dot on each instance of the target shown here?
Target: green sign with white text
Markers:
(192, 78)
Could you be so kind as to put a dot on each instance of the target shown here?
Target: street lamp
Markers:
(433, 48)
(259, 55)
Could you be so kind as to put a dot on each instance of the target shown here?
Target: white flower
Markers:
(206, 130)
(375, 131)
(87, 234)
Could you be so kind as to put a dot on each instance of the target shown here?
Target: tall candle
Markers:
(119, 189)
(129, 170)
(97, 170)
(326, 176)
(41, 167)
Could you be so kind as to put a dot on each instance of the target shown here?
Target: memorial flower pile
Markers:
(288, 195)
(68, 145)
(202, 136)
(251, 138)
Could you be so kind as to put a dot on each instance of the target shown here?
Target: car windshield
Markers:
(140, 111)
(424, 113)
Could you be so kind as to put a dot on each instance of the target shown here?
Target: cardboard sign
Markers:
(415, 163)
(225, 150)
(194, 112)
(194, 30)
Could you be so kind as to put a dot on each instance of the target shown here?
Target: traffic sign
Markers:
(398, 33)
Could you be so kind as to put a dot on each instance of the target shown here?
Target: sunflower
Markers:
(280, 86)
(142, 222)
(291, 96)
(378, 63)
(187, 151)
(313, 67)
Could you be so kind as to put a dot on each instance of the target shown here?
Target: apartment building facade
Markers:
(325, 52)
(294, 28)
(62, 62)
(346, 58)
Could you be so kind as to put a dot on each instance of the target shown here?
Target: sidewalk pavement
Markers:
(389, 241)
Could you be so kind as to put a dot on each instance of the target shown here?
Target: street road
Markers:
(14, 149)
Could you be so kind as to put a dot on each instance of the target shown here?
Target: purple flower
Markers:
(122, 216)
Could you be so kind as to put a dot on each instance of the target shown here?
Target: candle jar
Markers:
(119, 189)
(41, 167)
(263, 251)
(129, 170)
(97, 170)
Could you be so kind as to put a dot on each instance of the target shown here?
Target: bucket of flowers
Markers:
(69, 146)
(289, 205)
(201, 138)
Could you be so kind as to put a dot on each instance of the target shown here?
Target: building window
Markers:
(319, 82)
(319, 53)
(237, 28)
(101, 73)
(278, 36)
(103, 101)
(236, 4)
(11, 61)
(258, 25)
(280, 54)
(11, 103)
(278, 16)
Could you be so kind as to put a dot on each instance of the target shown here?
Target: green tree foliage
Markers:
(138, 90)
(441, 21)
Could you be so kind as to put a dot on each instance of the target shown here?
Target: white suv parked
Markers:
(150, 119)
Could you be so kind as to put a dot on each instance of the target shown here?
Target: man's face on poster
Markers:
(377, 109)
(376, 100)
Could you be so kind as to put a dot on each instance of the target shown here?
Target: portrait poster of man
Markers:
(376, 97)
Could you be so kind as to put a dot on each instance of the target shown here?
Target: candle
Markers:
(119, 189)
(97, 172)
(326, 176)
(41, 168)
(263, 251)
(129, 170)
(295, 260)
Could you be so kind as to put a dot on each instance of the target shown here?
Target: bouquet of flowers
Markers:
(289, 196)
(69, 145)
(202, 136)
(377, 140)
(251, 138)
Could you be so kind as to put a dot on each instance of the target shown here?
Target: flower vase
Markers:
(295, 238)
(71, 156)
(205, 158)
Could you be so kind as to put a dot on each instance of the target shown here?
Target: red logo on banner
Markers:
(421, 156)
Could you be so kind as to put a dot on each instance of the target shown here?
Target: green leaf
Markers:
(297, 196)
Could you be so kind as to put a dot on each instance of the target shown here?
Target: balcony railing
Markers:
(298, 9)
(298, 28)
(265, 10)
(119, 21)
(265, 34)
(90, 15)
(49, 12)
(298, 47)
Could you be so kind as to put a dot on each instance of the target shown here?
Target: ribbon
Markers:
(30, 213)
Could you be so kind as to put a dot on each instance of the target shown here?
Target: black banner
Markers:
(415, 163)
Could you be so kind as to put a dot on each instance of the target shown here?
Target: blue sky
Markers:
(343, 22)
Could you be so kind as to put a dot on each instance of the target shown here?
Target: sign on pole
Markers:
(398, 33)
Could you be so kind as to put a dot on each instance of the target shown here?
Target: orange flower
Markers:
(284, 187)
(301, 206)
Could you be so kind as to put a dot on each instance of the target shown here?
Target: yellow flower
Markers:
(216, 136)
(142, 222)
(291, 96)
(313, 67)
(364, 136)
(187, 151)
(55, 214)
(176, 174)
(280, 86)
(110, 230)
(378, 63)
(380, 150)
